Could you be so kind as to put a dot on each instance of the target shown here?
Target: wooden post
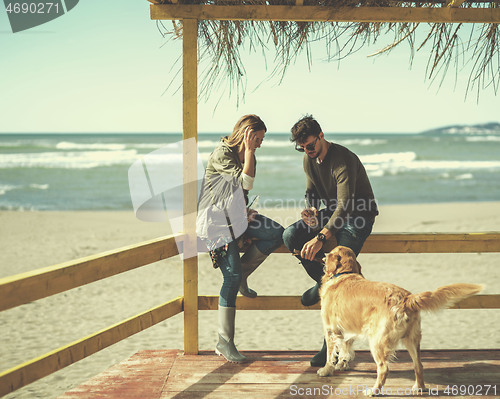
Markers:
(190, 104)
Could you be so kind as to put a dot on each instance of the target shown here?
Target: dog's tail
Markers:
(443, 297)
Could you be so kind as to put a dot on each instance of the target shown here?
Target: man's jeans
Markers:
(352, 235)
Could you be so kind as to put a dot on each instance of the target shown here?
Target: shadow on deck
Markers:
(287, 374)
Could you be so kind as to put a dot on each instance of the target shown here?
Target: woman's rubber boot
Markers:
(319, 359)
(250, 261)
(311, 296)
(225, 347)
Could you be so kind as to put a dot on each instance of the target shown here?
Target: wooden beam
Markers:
(30, 286)
(428, 243)
(190, 129)
(28, 372)
(432, 243)
(264, 302)
(26, 287)
(210, 302)
(325, 14)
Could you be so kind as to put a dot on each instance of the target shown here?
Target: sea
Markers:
(74, 172)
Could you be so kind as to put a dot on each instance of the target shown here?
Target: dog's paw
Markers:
(342, 365)
(372, 392)
(325, 371)
(417, 390)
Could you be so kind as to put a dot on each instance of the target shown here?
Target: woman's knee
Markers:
(278, 231)
(229, 290)
(227, 298)
(270, 229)
(232, 278)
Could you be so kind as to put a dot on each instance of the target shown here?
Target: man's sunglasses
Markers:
(310, 147)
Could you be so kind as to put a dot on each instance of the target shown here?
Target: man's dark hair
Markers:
(305, 127)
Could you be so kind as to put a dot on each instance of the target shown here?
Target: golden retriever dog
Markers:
(385, 313)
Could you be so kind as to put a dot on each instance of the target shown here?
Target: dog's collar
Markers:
(340, 274)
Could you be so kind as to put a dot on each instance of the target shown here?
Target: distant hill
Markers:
(485, 128)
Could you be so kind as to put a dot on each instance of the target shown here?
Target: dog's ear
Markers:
(332, 262)
(359, 267)
(336, 262)
(349, 262)
(327, 273)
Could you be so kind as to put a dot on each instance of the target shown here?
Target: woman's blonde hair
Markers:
(252, 121)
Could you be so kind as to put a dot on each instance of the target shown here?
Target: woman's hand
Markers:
(250, 144)
(250, 140)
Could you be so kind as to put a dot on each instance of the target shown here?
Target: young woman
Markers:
(224, 220)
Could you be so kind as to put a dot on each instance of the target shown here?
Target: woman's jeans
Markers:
(267, 235)
(352, 235)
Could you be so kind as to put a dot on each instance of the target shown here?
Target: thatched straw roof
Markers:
(456, 45)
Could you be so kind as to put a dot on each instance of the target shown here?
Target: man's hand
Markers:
(310, 216)
(310, 249)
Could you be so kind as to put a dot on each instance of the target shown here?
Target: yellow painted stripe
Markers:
(210, 302)
(428, 243)
(26, 287)
(190, 126)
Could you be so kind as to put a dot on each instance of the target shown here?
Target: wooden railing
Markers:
(23, 288)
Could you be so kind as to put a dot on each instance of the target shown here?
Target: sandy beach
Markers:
(32, 240)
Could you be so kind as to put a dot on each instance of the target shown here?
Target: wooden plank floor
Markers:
(287, 374)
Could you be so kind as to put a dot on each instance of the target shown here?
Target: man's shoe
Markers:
(311, 296)
(319, 359)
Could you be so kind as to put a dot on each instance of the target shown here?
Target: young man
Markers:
(337, 180)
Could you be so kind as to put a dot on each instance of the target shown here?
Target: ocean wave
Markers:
(158, 146)
(12, 144)
(67, 145)
(362, 142)
(272, 143)
(389, 157)
(207, 143)
(483, 139)
(452, 165)
(150, 146)
(68, 160)
(268, 143)
(4, 188)
(277, 143)
(39, 186)
(18, 208)
(378, 165)
(276, 159)
(471, 130)
(464, 176)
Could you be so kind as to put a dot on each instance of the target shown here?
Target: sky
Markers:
(105, 67)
